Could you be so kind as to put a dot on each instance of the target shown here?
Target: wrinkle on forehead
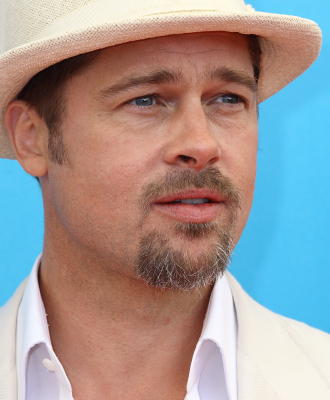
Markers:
(174, 59)
(164, 76)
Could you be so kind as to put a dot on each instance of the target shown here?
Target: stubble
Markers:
(159, 264)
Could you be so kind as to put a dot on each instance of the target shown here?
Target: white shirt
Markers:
(212, 373)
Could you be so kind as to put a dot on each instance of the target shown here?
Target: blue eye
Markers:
(144, 101)
(229, 99)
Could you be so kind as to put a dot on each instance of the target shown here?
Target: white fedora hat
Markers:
(39, 33)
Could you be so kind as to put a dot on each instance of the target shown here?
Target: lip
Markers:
(191, 194)
(195, 213)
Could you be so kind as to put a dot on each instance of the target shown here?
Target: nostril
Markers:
(185, 159)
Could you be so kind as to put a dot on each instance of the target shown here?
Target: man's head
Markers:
(146, 150)
(148, 129)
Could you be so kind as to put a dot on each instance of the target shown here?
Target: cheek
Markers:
(246, 161)
(97, 208)
(107, 168)
(242, 160)
(241, 143)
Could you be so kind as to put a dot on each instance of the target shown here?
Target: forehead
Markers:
(194, 51)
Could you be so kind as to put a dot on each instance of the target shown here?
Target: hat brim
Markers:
(289, 46)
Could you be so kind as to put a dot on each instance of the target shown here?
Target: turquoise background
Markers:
(283, 257)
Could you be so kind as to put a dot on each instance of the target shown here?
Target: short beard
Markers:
(160, 266)
(158, 263)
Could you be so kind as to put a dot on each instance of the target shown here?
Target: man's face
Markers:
(150, 129)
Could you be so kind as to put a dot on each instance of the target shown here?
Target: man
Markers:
(140, 122)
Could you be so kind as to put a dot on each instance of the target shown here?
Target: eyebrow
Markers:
(153, 78)
(234, 76)
(223, 74)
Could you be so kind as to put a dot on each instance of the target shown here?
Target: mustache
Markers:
(177, 180)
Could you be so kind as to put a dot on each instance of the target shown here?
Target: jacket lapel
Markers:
(8, 320)
(271, 363)
(252, 384)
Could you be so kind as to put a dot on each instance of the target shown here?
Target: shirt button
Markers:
(49, 364)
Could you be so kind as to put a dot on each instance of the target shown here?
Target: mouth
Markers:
(195, 206)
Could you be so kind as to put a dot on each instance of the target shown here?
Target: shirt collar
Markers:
(219, 334)
(32, 330)
(33, 326)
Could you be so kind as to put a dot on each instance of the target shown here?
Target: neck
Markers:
(114, 321)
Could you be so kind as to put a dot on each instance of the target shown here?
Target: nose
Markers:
(192, 142)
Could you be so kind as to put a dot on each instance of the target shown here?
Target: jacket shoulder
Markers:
(294, 356)
(8, 322)
(313, 342)
(9, 309)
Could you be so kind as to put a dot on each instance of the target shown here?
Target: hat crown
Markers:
(26, 20)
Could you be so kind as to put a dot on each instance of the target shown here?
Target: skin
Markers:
(93, 215)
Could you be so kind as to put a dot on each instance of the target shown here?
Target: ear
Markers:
(28, 135)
